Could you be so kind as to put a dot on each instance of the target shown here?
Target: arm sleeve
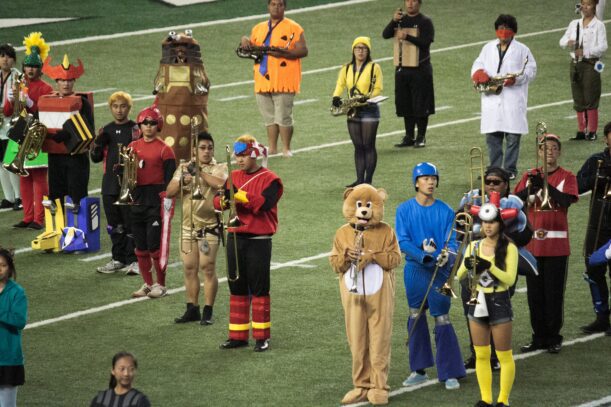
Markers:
(564, 41)
(7, 108)
(601, 42)
(479, 62)
(406, 244)
(169, 165)
(97, 151)
(340, 85)
(563, 199)
(462, 270)
(507, 276)
(267, 200)
(337, 259)
(389, 30)
(16, 316)
(379, 79)
(427, 35)
(390, 257)
(586, 176)
(530, 71)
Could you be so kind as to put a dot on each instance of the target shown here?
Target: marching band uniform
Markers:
(364, 125)
(156, 165)
(34, 186)
(259, 217)
(550, 246)
(422, 232)
(585, 78)
(600, 214)
(106, 149)
(504, 115)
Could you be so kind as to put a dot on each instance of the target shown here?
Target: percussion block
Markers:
(80, 135)
(83, 227)
(53, 111)
(49, 240)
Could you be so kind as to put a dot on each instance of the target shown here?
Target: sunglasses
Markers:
(494, 182)
(147, 122)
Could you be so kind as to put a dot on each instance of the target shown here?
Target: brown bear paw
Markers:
(377, 397)
(355, 396)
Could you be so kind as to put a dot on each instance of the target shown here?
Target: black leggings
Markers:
(363, 136)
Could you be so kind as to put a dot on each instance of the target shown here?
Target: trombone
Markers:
(605, 199)
(540, 142)
(233, 221)
(476, 166)
(465, 221)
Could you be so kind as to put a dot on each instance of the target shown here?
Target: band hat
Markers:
(252, 149)
(65, 70)
(36, 49)
(362, 40)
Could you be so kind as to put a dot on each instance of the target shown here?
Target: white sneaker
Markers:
(131, 269)
(452, 384)
(157, 291)
(415, 378)
(110, 267)
(142, 292)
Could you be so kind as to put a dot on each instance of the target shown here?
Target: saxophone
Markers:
(128, 159)
(495, 83)
(348, 106)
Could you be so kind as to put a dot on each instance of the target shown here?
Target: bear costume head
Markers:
(364, 205)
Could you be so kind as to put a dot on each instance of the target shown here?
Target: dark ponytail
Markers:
(500, 251)
(118, 356)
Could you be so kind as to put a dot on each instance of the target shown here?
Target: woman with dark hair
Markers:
(120, 392)
(493, 263)
(362, 78)
(13, 316)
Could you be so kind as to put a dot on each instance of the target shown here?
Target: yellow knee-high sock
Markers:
(484, 372)
(508, 374)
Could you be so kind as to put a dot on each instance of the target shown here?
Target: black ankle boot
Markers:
(406, 142)
(207, 315)
(191, 314)
(600, 324)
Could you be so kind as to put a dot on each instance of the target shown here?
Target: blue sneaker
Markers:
(452, 384)
(415, 378)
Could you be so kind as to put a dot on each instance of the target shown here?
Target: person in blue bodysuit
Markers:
(423, 226)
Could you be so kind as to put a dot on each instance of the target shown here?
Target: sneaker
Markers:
(142, 292)
(415, 378)
(531, 347)
(600, 324)
(190, 315)
(580, 135)
(420, 144)
(17, 206)
(21, 225)
(207, 315)
(554, 349)
(131, 269)
(452, 384)
(5, 204)
(470, 362)
(591, 136)
(482, 403)
(232, 344)
(495, 365)
(406, 142)
(35, 226)
(157, 291)
(261, 345)
(110, 267)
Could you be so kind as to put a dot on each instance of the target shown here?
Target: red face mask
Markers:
(504, 34)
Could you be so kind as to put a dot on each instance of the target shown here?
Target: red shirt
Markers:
(551, 228)
(151, 157)
(36, 89)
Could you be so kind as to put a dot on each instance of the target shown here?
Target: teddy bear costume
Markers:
(369, 311)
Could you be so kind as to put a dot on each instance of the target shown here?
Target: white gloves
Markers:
(442, 258)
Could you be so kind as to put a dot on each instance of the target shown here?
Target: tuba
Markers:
(495, 83)
(30, 147)
(128, 159)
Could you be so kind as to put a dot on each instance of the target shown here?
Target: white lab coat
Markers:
(506, 112)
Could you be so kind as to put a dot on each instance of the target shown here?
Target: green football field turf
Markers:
(67, 361)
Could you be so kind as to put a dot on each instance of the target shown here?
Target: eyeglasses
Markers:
(361, 48)
(494, 182)
(147, 122)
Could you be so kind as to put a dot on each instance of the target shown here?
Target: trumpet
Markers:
(233, 221)
(354, 265)
(465, 221)
(495, 83)
(128, 159)
(29, 148)
(256, 52)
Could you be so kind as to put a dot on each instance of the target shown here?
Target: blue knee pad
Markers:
(448, 359)
(601, 305)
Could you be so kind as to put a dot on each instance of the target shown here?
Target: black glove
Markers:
(482, 264)
(536, 181)
(427, 259)
(337, 101)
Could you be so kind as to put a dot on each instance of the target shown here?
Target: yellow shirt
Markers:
(505, 277)
(347, 78)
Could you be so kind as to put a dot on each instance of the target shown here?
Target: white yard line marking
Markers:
(103, 90)
(95, 310)
(471, 371)
(18, 22)
(98, 257)
(440, 108)
(202, 24)
(521, 290)
(604, 402)
(228, 99)
(303, 102)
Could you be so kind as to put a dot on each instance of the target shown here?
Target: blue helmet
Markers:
(423, 169)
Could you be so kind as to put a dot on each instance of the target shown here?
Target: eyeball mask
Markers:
(488, 212)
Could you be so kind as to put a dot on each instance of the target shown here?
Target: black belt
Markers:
(590, 61)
